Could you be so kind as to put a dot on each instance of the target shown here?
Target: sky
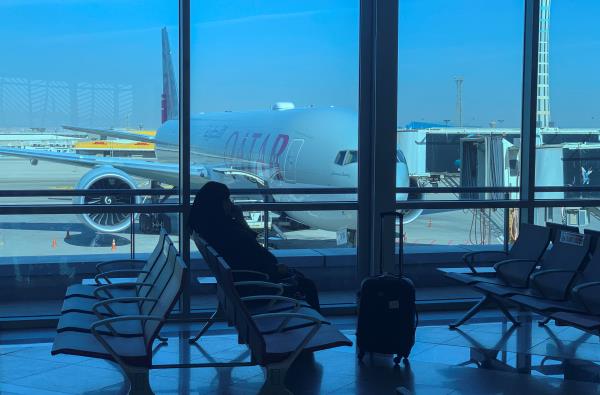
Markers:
(249, 54)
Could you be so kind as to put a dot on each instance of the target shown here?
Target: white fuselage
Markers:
(294, 148)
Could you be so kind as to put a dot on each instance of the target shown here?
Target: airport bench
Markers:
(128, 339)
(569, 291)
(579, 306)
(79, 312)
(274, 339)
(569, 252)
(110, 273)
(563, 286)
(258, 282)
(530, 246)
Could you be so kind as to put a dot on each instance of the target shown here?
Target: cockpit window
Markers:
(400, 157)
(351, 157)
(346, 157)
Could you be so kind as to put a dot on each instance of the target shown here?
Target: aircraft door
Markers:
(291, 159)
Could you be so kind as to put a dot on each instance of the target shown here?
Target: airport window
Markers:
(459, 113)
(83, 108)
(568, 153)
(86, 130)
(274, 96)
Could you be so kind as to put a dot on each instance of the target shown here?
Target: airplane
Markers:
(284, 147)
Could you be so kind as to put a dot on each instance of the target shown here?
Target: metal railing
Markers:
(277, 206)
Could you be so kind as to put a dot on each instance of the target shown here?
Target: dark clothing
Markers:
(231, 237)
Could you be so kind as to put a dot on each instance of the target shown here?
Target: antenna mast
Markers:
(459, 82)
(543, 82)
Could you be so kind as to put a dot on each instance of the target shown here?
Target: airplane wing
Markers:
(163, 172)
(113, 133)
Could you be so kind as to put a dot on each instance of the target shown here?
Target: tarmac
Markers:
(25, 236)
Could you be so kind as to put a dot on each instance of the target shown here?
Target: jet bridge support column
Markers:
(377, 132)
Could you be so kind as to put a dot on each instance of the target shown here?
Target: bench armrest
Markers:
(118, 262)
(469, 258)
(552, 283)
(106, 288)
(316, 320)
(515, 271)
(107, 322)
(588, 294)
(262, 284)
(116, 273)
(273, 299)
(261, 275)
(107, 302)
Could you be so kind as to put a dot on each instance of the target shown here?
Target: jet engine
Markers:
(412, 214)
(106, 177)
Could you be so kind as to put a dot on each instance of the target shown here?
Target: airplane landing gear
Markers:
(151, 223)
(351, 237)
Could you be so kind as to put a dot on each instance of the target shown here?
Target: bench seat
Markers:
(131, 349)
(470, 279)
(585, 321)
(87, 291)
(546, 305)
(81, 322)
(280, 346)
(85, 306)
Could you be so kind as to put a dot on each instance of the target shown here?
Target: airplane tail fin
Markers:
(169, 100)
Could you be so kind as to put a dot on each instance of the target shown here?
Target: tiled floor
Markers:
(481, 358)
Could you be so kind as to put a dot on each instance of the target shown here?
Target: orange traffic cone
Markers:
(53, 243)
(114, 245)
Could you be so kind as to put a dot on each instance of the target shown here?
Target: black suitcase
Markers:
(387, 314)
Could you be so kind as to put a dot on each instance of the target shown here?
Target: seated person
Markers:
(222, 225)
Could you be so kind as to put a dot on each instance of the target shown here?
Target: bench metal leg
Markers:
(207, 325)
(505, 311)
(275, 380)
(140, 382)
(163, 339)
(544, 321)
(472, 311)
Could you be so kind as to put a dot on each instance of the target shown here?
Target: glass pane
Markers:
(459, 95)
(568, 153)
(83, 101)
(43, 254)
(274, 98)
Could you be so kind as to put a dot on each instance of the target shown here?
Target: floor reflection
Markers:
(553, 356)
(480, 358)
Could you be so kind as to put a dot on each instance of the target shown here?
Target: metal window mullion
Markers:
(184, 149)
(529, 108)
(365, 141)
(386, 126)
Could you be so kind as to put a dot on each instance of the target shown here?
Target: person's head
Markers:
(211, 204)
(214, 195)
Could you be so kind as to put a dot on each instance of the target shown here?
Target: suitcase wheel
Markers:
(397, 360)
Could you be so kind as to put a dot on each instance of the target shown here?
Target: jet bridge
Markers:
(569, 164)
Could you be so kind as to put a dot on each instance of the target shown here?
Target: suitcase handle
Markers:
(400, 217)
